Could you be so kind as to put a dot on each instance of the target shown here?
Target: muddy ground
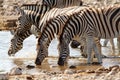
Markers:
(77, 69)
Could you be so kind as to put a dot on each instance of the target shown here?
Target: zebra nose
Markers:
(10, 53)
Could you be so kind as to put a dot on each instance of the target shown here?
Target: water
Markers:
(28, 51)
(27, 55)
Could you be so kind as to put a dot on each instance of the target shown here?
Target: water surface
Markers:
(27, 55)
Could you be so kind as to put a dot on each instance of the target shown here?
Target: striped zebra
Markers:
(52, 28)
(93, 22)
(51, 4)
(26, 19)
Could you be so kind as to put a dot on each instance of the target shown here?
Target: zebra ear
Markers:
(19, 10)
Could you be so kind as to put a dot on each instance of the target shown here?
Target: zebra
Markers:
(25, 20)
(50, 3)
(52, 28)
(102, 23)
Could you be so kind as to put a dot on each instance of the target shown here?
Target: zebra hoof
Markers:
(61, 62)
(37, 62)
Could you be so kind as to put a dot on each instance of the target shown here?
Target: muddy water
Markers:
(27, 55)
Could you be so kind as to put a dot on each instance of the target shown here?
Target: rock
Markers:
(69, 71)
(16, 71)
(30, 66)
(80, 71)
(114, 68)
(29, 78)
(90, 71)
(4, 76)
(72, 66)
(100, 70)
(111, 73)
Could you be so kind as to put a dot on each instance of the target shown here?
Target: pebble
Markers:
(16, 71)
(80, 71)
(4, 76)
(29, 78)
(90, 71)
(72, 67)
(69, 71)
(115, 67)
(111, 73)
(30, 66)
(101, 69)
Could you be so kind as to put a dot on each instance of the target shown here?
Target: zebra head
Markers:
(17, 41)
(16, 45)
(42, 51)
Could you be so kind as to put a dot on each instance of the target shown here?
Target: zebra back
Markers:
(56, 12)
(52, 4)
(62, 3)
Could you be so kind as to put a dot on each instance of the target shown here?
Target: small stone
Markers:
(30, 66)
(100, 70)
(4, 76)
(90, 71)
(115, 67)
(72, 67)
(29, 78)
(111, 73)
(69, 71)
(16, 71)
(80, 71)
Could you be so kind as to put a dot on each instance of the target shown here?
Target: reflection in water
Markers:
(50, 64)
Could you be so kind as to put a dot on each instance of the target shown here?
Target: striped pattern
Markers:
(52, 28)
(30, 15)
(93, 22)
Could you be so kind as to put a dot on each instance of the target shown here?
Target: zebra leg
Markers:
(112, 46)
(91, 45)
(63, 52)
(97, 53)
(83, 51)
(118, 43)
(42, 53)
(89, 49)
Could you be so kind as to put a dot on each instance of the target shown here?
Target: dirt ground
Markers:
(68, 73)
(51, 71)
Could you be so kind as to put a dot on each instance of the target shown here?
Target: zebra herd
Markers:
(67, 20)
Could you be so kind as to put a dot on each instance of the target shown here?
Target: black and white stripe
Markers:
(92, 22)
(29, 15)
